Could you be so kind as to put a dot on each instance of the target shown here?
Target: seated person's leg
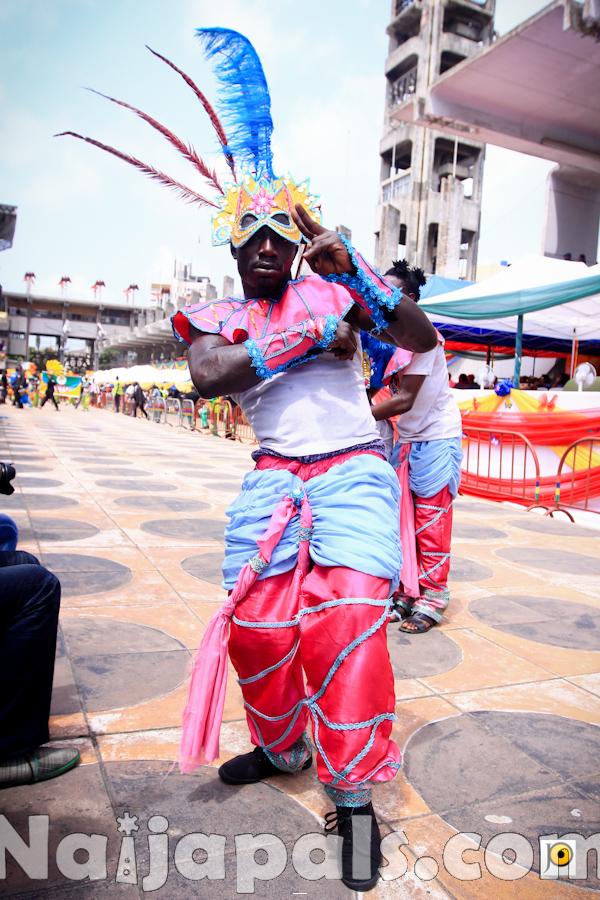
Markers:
(29, 606)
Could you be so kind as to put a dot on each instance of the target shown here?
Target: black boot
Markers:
(361, 844)
(252, 767)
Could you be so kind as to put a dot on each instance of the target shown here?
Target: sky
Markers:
(84, 214)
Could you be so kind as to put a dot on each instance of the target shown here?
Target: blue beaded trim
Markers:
(348, 798)
(257, 564)
(301, 750)
(376, 299)
(257, 357)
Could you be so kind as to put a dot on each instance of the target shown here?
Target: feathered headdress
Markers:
(256, 197)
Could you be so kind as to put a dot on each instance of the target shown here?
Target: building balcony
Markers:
(411, 47)
(404, 87)
(396, 189)
(406, 18)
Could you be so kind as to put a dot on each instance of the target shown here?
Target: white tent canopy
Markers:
(144, 374)
(532, 276)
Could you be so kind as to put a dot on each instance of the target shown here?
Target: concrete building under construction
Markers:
(430, 200)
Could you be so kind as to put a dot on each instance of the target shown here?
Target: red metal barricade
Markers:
(501, 465)
(242, 428)
(579, 487)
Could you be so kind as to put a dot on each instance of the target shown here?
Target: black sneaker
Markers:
(361, 845)
(252, 767)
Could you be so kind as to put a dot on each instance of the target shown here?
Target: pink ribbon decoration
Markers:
(203, 712)
(409, 574)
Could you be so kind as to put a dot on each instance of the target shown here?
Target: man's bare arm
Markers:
(406, 325)
(400, 402)
(218, 367)
(405, 330)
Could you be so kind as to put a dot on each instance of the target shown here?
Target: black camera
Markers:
(7, 473)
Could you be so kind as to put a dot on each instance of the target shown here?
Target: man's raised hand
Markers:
(325, 253)
(344, 345)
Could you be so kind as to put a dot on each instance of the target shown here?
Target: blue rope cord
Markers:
(272, 668)
(328, 604)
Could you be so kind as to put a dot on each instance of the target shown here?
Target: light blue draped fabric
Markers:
(355, 510)
(432, 465)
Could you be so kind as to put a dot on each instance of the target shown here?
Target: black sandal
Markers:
(422, 622)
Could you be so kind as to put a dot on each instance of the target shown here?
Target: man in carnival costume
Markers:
(425, 425)
(308, 602)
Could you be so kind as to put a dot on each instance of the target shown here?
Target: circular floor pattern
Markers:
(196, 472)
(546, 525)
(119, 485)
(37, 501)
(476, 532)
(117, 471)
(536, 772)
(205, 566)
(463, 569)
(25, 467)
(191, 529)
(25, 481)
(201, 802)
(122, 663)
(223, 485)
(548, 620)
(49, 529)
(561, 561)
(170, 504)
(409, 660)
(81, 574)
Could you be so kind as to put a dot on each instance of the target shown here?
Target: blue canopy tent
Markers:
(559, 301)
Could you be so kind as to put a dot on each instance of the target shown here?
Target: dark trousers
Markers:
(117, 402)
(137, 405)
(29, 605)
(49, 397)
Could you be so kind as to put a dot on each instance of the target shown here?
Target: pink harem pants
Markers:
(316, 648)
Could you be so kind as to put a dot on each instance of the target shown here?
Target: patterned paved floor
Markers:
(498, 710)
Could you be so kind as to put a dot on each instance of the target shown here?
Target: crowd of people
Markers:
(28, 389)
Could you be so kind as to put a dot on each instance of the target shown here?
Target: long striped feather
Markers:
(209, 109)
(184, 192)
(244, 100)
(186, 150)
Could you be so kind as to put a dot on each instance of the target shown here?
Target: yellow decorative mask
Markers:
(260, 201)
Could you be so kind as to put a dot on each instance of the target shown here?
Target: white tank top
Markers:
(318, 407)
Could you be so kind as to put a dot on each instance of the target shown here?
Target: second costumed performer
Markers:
(312, 547)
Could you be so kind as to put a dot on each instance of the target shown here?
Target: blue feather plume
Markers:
(244, 100)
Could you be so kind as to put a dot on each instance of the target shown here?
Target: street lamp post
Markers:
(28, 278)
(63, 284)
(97, 289)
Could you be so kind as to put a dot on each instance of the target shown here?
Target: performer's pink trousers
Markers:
(433, 537)
(336, 657)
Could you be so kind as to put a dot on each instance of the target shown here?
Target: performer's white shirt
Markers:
(434, 414)
(318, 407)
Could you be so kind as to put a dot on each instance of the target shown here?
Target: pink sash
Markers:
(203, 713)
(409, 574)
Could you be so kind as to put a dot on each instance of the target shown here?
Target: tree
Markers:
(41, 357)
(106, 358)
